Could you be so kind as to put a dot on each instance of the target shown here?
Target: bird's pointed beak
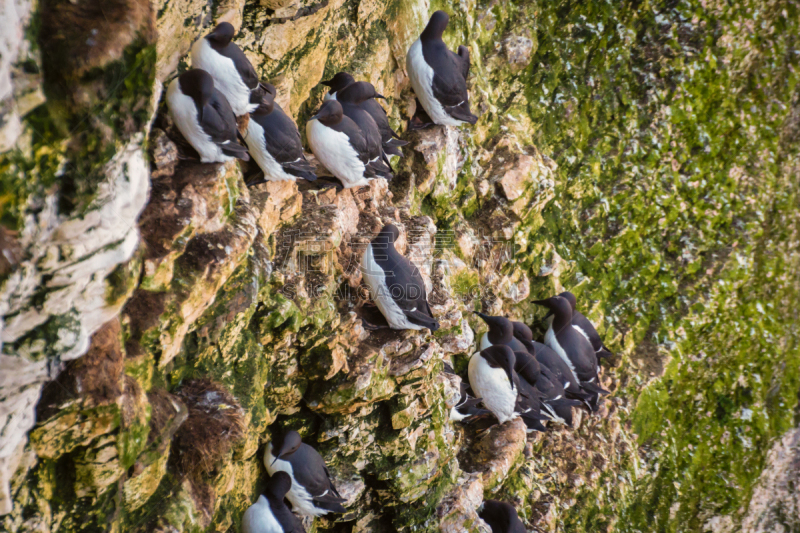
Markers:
(545, 303)
(380, 96)
(315, 117)
(327, 83)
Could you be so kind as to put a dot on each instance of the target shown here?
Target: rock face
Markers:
(160, 320)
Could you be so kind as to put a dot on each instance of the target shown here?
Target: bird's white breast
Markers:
(334, 151)
(485, 342)
(421, 76)
(375, 279)
(552, 342)
(273, 171)
(184, 113)
(226, 78)
(302, 501)
(492, 385)
(258, 518)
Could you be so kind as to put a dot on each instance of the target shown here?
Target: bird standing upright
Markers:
(275, 143)
(395, 283)
(311, 493)
(233, 73)
(438, 76)
(203, 116)
(270, 514)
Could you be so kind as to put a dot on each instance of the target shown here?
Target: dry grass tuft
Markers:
(215, 422)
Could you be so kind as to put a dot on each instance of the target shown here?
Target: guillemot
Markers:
(492, 377)
(570, 345)
(274, 142)
(395, 283)
(340, 145)
(233, 73)
(204, 117)
(438, 76)
(586, 328)
(270, 514)
(311, 493)
(352, 98)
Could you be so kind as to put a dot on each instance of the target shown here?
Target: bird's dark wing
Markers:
(310, 472)
(407, 288)
(243, 65)
(580, 353)
(578, 319)
(219, 122)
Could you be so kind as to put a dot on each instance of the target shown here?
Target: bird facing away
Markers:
(274, 142)
(501, 331)
(312, 493)
(396, 284)
(501, 517)
(492, 377)
(270, 514)
(340, 145)
(233, 73)
(438, 76)
(203, 116)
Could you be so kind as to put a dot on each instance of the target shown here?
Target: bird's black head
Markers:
(560, 309)
(286, 444)
(436, 26)
(222, 34)
(388, 235)
(522, 332)
(501, 331)
(279, 484)
(568, 296)
(329, 114)
(501, 354)
(198, 85)
(339, 81)
(357, 92)
(500, 516)
(267, 103)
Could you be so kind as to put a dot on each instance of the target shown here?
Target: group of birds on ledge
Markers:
(512, 376)
(350, 133)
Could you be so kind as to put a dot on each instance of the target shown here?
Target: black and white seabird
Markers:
(340, 145)
(233, 74)
(396, 284)
(337, 83)
(274, 142)
(570, 345)
(438, 76)
(501, 517)
(204, 117)
(352, 98)
(537, 381)
(492, 377)
(586, 328)
(391, 141)
(270, 514)
(311, 492)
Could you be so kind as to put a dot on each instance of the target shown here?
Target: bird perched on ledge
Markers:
(311, 493)
(395, 283)
(270, 514)
(204, 117)
(233, 73)
(439, 77)
(275, 143)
